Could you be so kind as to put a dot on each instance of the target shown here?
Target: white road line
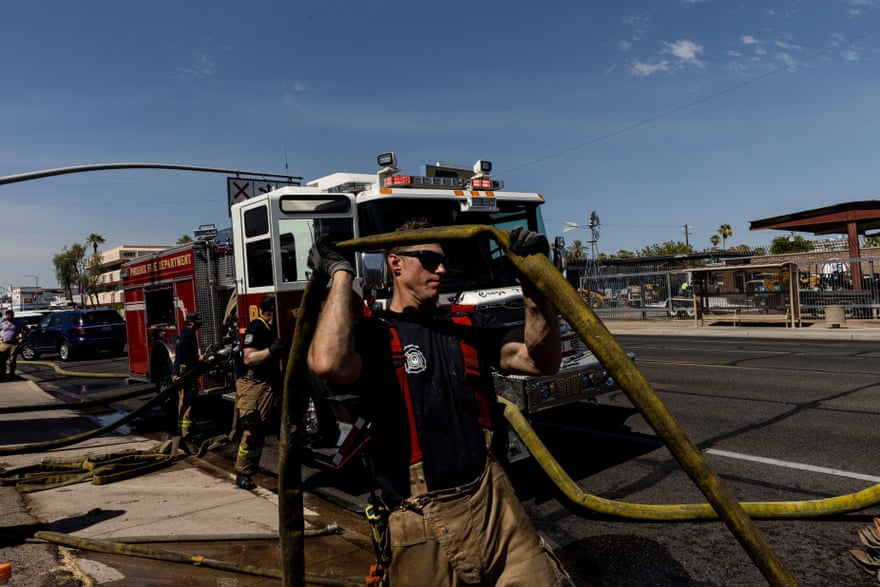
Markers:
(790, 465)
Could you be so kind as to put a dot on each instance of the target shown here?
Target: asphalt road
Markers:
(809, 406)
(802, 404)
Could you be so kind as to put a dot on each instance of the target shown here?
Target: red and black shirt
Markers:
(444, 399)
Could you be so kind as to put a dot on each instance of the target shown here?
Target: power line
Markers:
(697, 102)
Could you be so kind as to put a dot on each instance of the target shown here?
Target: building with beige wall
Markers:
(110, 292)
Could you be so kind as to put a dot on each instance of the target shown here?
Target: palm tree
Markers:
(726, 232)
(94, 239)
(715, 239)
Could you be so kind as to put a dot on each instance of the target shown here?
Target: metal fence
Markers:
(645, 292)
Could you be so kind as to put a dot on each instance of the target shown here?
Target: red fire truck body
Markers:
(161, 289)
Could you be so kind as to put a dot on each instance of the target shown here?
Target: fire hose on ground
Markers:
(174, 388)
(68, 373)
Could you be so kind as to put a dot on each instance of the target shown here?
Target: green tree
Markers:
(91, 278)
(184, 239)
(790, 244)
(69, 268)
(714, 239)
(726, 232)
(575, 251)
(667, 248)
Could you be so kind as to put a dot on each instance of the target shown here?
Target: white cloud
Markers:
(851, 55)
(789, 46)
(624, 45)
(749, 40)
(642, 69)
(786, 59)
(686, 51)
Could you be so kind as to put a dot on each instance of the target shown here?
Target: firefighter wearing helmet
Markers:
(257, 390)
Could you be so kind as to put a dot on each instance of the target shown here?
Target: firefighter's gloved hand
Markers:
(277, 348)
(327, 260)
(526, 242)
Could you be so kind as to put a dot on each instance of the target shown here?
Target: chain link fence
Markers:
(664, 291)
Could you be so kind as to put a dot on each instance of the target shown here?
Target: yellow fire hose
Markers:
(538, 270)
(135, 391)
(67, 373)
(186, 379)
(677, 512)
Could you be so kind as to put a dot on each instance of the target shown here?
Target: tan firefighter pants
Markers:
(255, 401)
(478, 534)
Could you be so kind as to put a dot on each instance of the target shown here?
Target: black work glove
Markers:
(525, 242)
(327, 260)
(277, 348)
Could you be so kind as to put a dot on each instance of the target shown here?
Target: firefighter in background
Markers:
(257, 391)
(186, 355)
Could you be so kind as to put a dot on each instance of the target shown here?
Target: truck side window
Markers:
(256, 222)
(259, 263)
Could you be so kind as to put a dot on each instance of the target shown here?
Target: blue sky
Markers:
(653, 113)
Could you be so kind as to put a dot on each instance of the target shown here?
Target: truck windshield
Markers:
(472, 265)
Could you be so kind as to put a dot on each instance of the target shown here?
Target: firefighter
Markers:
(186, 355)
(257, 391)
(454, 517)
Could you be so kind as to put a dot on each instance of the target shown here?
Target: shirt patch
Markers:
(248, 338)
(414, 360)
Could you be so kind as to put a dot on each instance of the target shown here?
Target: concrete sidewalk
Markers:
(191, 501)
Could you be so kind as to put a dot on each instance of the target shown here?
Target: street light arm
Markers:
(107, 166)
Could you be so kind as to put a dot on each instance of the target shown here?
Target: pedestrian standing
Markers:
(9, 333)
(257, 390)
(186, 356)
(424, 375)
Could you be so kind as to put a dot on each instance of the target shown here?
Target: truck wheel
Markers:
(595, 303)
(64, 349)
(27, 352)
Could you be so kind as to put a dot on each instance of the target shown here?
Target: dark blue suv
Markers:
(74, 332)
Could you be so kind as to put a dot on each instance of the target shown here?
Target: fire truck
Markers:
(267, 251)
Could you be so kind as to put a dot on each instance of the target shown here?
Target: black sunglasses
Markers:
(429, 259)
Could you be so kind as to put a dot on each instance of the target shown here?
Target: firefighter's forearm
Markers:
(331, 354)
(541, 335)
(257, 357)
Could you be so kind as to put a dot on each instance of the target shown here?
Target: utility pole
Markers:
(687, 233)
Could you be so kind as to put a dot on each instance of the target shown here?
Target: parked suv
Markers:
(74, 332)
(27, 320)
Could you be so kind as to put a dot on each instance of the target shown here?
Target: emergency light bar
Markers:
(421, 181)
